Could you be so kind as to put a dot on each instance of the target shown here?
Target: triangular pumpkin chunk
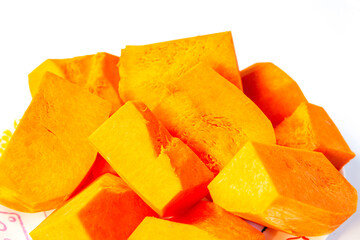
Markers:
(97, 73)
(49, 154)
(160, 168)
(107, 209)
(292, 190)
(311, 128)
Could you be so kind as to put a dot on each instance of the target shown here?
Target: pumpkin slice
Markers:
(160, 168)
(311, 128)
(273, 91)
(160, 229)
(147, 71)
(97, 73)
(107, 209)
(212, 116)
(218, 222)
(49, 154)
(292, 190)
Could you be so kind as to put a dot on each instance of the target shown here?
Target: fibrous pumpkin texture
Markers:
(273, 91)
(292, 190)
(160, 168)
(97, 73)
(107, 209)
(49, 154)
(311, 128)
(212, 116)
(147, 71)
(218, 222)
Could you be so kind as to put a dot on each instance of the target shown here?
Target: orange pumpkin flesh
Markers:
(212, 116)
(49, 154)
(161, 229)
(147, 70)
(107, 209)
(273, 91)
(97, 73)
(161, 169)
(311, 128)
(218, 222)
(195, 111)
(292, 190)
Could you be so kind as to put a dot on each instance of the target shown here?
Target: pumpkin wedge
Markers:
(273, 91)
(97, 73)
(107, 209)
(311, 128)
(49, 154)
(212, 116)
(161, 229)
(292, 190)
(218, 222)
(151, 68)
(165, 173)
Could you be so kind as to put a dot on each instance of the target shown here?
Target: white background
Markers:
(315, 42)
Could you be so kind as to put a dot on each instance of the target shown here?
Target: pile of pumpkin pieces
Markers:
(172, 141)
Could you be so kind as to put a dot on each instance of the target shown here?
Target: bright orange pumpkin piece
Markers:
(311, 128)
(107, 209)
(292, 190)
(160, 168)
(273, 91)
(97, 73)
(161, 229)
(218, 222)
(152, 68)
(212, 116)
(49, 154)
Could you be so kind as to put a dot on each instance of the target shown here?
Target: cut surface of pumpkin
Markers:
(97, 73)
(151, 68)
(311, 128)
(212, 116)
(273, 91)
(161, 229)
(213, 219)
(292, 190)
(49, 153)
(160, 168)
(107, 209)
